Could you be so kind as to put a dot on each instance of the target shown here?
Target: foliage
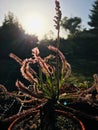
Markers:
(45, 82)
(94, 17)
(72, 25)
(79, 81)
(11, 22)
(13, 38)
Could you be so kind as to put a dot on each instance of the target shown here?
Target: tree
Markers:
(11, 25)
(71, 24)
(13, 38)
(94, 17)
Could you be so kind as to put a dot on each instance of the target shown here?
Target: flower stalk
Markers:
(57, 21)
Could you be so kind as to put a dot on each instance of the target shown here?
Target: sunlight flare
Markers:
(34, 24)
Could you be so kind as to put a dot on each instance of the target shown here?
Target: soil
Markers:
(84, 111)
(34, 123)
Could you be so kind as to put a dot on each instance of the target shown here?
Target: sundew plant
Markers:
(53, 69)
(47, 81)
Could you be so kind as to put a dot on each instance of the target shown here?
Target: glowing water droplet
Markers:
(65, 103)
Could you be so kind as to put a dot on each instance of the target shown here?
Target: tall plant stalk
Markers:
(57, 27)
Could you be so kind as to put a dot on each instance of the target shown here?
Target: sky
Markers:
(43, 12)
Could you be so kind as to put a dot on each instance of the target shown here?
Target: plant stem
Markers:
(57, 58)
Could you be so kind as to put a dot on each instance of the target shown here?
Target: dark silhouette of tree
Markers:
(11, 25)
(10, 32)
(72, 25)
(94, 17)
(13, 38)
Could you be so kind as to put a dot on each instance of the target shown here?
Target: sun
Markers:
(34, 24)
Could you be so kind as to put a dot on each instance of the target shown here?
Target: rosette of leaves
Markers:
(43, 82)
